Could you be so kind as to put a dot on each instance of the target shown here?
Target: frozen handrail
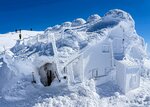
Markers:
(78, 54)
(35, 39)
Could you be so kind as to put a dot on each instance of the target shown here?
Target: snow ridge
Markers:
(72, 39)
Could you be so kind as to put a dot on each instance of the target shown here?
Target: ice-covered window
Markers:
(133, 81)
(105, 48)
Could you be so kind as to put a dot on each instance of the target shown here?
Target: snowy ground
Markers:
(86, 94)
(106, 96)
(16, 89)
(8, 40)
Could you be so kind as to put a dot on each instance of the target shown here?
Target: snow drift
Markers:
(72, 39)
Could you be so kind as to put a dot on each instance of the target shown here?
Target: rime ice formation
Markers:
(75, 60)
(93, 18)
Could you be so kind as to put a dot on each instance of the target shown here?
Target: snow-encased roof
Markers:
(111, 19)
(103, 24)
(119, 15)
(76, 35)
(69, 41)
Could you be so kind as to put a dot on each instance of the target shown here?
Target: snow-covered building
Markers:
(94, 62)
(81, 50)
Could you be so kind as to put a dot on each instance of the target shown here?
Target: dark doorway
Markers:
(47, 74)
(50, 77)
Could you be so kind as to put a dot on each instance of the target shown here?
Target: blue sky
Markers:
(40, 14)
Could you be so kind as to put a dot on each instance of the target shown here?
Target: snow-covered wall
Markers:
(98, 60)
(127, 75)
(90, 42)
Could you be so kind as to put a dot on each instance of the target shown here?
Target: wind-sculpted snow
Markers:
(76, 34)
(18, 62)
(82, 96)
(78, 22)
(93, 18)
(119, 15)
(40, 48)
(67, 38)
(102, 24)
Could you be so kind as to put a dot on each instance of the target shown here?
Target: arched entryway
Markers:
(47, 73)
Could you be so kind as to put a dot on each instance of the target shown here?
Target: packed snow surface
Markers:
(71, 39)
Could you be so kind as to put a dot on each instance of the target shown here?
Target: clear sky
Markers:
(40, 14)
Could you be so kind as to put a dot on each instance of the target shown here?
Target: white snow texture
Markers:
(78, 53)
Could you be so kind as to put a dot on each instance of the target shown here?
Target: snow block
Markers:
(127, 75)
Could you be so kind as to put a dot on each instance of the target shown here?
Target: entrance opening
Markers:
(47, 73)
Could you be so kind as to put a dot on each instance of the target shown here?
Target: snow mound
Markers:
(82, 95)
(8, 40)
(71, 39)
(78, 22)
(93, 18)
(66, 24)
(119, 15)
